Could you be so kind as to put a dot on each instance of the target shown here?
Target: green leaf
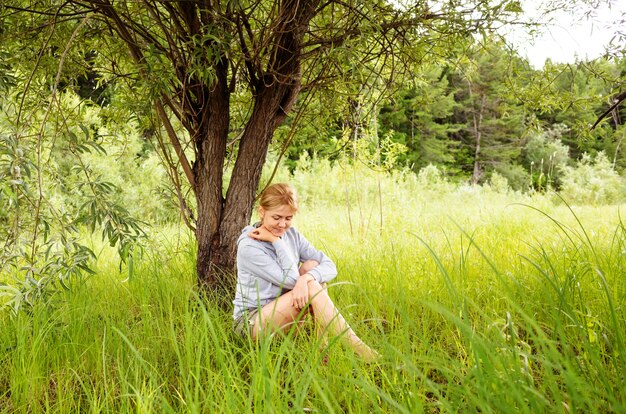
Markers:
(514, 7)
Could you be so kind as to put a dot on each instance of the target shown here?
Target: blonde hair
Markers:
(277, 195)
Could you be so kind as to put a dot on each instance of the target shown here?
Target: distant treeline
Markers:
(485, 111)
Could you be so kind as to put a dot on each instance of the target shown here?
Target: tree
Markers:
(420, 118)
(493, 120)
(200, 63)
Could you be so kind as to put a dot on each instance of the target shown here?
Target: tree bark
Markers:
(276, 92)
(210, 141)
(478, 120)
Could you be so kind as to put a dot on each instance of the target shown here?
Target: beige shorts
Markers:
(245, 322)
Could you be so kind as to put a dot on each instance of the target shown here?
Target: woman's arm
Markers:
(325, 270)
(254, 260)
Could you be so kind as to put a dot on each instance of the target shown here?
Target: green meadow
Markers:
(478, 298)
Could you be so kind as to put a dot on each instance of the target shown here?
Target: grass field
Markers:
(478, 301)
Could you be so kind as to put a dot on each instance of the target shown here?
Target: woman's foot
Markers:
(366, 353)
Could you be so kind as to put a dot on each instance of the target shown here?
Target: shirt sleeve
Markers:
(326, 270)
(282, 271)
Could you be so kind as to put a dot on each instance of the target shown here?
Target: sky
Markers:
(569, 36)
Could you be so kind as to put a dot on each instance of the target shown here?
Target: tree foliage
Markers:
(212, 86)
(211, 81)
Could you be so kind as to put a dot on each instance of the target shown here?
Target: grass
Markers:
(478, 301)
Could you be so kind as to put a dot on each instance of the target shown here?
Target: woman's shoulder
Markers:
(293, 233)
(294, 237)
(292, 230)
(243, 237)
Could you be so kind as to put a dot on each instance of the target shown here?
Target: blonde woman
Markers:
(281, 276)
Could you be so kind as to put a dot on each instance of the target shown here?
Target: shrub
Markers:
(592, 181)
(546, 155)
(516, 176)
(430, 176)
(499, 183)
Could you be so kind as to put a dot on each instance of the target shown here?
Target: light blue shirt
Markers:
(265, 269)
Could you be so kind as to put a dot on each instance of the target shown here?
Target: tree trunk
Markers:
(210, 141)
(478, 120)
(220, 220)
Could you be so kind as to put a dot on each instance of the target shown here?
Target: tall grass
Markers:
(478, 301)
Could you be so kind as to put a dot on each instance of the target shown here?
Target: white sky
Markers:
(569, 36)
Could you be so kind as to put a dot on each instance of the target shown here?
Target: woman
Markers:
(279, 274)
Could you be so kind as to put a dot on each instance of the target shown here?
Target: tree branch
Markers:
(617, 101)
(106, 8)
(44, 13)
(355, 32)
(184, 163)
(242, 22)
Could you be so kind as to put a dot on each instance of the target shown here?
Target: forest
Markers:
(487, 112)
(473, 205)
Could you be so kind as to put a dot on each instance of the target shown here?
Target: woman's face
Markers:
(277, 220)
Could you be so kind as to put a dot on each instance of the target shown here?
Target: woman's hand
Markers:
(300, 292)
(262, 234)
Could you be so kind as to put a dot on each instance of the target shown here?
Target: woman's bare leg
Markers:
(328, 317)
(304, 269)
(280, 315)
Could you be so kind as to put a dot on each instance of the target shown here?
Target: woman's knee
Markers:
(315, 288)
(307, 265)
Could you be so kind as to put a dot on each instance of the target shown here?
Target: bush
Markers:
(516, 176)
(430, 176)
(546, 155)
(499, 183)
(592, 181)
